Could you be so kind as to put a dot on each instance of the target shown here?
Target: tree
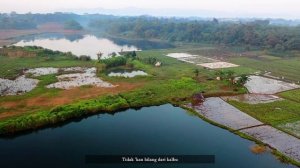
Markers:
(230, 75)
(196, 72)
(242, 80)
(221, 74)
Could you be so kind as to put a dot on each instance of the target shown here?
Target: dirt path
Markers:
(219, 111)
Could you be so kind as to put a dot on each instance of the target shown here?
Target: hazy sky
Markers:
(217, 8)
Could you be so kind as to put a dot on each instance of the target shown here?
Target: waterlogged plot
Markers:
(193, 59)
(18, 86)
(47, 71)
(253, 98)
(223, 113)
(262, 85)
(218, 65)
(219, 111)
(89, 77)
(42, 71)
(197, 59)
(201, 61)
(83, 76)
(279, 140)
(293, 127)
(127, 74)
(180, 55)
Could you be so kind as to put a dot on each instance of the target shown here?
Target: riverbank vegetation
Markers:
(170, 83)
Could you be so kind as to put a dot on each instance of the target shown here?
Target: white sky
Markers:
(219, 8)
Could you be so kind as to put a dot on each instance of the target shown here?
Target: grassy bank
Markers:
(172, 82)
(147, 96)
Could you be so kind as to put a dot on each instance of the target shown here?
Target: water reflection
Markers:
(88, 45)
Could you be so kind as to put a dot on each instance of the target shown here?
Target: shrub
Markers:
(84, 58)
(114, 61)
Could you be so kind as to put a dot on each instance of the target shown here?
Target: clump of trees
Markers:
(72, 25)
(114, 61)
(84, 58)
(131, 55)
(230, 76)
(149, 60)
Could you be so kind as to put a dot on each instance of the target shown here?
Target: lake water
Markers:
(88, 44)
(151, 130)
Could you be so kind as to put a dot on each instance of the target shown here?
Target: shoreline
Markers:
(282, 157)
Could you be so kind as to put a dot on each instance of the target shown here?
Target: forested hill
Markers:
(255, 33)
(243, 32)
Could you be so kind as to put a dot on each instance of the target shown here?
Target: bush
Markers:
(84, 58)
(114, 61)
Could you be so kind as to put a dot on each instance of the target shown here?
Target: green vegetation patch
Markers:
(293, 95)
(62, 113)
(271, 113)
(289, 68)
(162, 92)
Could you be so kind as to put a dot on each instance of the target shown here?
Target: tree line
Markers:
(257, 33)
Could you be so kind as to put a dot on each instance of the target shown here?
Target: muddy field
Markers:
(18, 86)
(218, 65)
(75, 77)
(201, 61)
(68, 81)
(253, 98)
(223, 113)
(47, 71)
(217, 110)
(262, 85)
(279, 140)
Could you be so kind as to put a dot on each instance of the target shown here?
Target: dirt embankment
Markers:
(7, 35)
(18, 107)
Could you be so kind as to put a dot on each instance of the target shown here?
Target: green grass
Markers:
(289, 68)
(293, 95)
(274, 113)
(11, 67)
(62, 113)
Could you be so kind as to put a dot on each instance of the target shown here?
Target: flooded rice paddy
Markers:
(262, 85)
(201, 61)
(74, 77)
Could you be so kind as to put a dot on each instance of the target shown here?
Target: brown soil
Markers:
(64, 97)
(258, 149)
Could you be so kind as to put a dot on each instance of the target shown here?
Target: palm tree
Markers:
(243, 79)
